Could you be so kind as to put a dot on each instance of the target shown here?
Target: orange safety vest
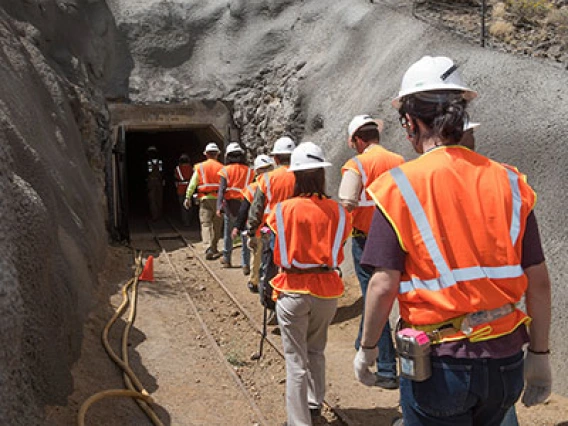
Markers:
(183, 175)
(460, 218)
(249, 190)
(238, 176)
(208, 174)
(310, 233)
(369, 165)
(277, 185)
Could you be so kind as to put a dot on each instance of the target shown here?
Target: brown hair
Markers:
(310, 182)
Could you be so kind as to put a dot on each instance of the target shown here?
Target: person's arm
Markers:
(538, 302)
(241, 221)
(192, 185)
(256, 211)
(350, 189)
(221, 195)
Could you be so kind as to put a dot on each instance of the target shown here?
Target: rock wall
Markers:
(54, 57)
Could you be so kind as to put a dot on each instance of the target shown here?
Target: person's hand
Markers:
(187, 203)
(252, 243)
(365, 359)
(234, 233)
(538, 378)
(219, 213)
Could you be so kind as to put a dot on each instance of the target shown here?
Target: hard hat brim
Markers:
(311, 166)
(468, 94)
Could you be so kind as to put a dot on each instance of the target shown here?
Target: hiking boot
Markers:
(253, 288)
(212, 254)
(225, 263)
(246, 270)
(315, 412)
(386, 382)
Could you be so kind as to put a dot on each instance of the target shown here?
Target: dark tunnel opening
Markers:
(170, 144)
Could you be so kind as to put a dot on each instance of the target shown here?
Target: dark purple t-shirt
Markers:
(382, 250)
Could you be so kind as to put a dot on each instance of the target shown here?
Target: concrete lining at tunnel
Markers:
(173, 130)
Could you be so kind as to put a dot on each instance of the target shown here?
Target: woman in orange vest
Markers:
(310, 231)
(456, 240)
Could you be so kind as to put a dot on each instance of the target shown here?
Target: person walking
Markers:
(358, 173)
(155, 182)
(262, 164)
(273, 187)
(310, 230)
(205, 180)
(182, 176)
(234, 177)
(455, 238)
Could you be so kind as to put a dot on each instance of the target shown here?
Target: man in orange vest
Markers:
(205, 180)
(273, 187)
(234, 177)
(182, 176)
(363, 135)
(455, 239)
(310, 230)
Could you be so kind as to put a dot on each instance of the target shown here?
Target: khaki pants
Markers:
(255, 263)
(210, 223)
(304, 321)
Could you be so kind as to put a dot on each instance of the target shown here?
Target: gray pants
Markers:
(304, 321)
(210, 223)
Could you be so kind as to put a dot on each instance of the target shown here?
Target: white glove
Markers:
(187, 203)
(538, 378)
(364, 359)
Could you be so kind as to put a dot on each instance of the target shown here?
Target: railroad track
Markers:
(250, 376)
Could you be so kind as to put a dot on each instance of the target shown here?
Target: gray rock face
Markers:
(52, 142)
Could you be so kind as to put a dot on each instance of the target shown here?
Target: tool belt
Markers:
(357, 233)
(464, 323)
(317, 270)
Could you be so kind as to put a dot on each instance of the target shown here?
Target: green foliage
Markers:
(529, 11)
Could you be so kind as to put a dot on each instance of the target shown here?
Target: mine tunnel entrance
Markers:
(173, 131)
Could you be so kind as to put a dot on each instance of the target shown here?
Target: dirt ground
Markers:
(193, 384)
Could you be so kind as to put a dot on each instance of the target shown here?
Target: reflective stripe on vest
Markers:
(450, 277)
(237, 189)
(363, 200)
(268, 193)
(205, 186)
(280, 228)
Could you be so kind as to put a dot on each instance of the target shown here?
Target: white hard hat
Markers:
(234, 148)
(307, 156)
(262, 161)
(468, 125)
(283, 145)
(211, 147)
(363, 120)
(432, 73)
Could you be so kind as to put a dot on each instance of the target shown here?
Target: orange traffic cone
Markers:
(148, 271)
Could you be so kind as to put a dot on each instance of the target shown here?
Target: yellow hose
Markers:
(106, 394)
(137, 390)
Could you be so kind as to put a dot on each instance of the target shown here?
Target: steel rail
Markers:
(338, 411)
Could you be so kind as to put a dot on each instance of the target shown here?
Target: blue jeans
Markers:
(463, 392)
(228, 222)
(386, 361)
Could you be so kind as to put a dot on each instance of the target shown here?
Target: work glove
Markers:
(538, 378)
(364, 359)
(252, 243)
(187, 203)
